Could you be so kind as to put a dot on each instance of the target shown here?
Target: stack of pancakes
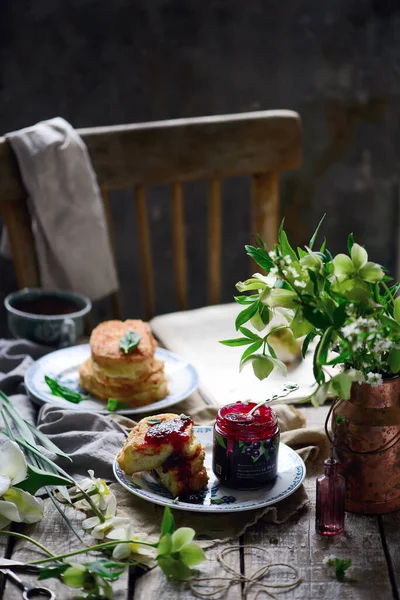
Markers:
(135, 377)
(166, 445)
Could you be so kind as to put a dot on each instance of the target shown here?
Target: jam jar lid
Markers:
(235, 421)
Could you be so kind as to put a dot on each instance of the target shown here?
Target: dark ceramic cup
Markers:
(49, 317)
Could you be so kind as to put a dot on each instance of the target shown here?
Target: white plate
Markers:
(216, 497)
(63, 366)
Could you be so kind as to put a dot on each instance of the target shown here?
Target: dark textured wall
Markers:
(336, 62)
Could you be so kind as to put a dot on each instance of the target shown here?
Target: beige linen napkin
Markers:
(310, 443)
(68, 221)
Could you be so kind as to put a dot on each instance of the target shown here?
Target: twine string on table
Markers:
(236, 577)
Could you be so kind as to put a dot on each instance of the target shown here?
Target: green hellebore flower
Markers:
(177, 553)
(357, 266)
(75, 575)
(299, 325)
(312, 261)
(281, 297)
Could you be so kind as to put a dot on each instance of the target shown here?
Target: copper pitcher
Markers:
(367, 444)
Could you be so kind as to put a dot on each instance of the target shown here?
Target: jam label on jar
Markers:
(245, 464)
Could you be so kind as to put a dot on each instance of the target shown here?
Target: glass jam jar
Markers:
(245, 447)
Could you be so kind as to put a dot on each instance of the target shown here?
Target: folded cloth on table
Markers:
(68, 221)
(93, 441)
(196, 334)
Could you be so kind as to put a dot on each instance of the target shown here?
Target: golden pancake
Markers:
(177, 485)
(106, 352)
(138, 384)
(155, 389)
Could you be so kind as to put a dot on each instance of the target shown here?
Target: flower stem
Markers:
(103, 546)
(29, 539)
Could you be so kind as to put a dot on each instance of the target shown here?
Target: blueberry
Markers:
(247, 443)
(272, 451)
(255, 453)
(267, 442)
(249, 451)
(256, 445)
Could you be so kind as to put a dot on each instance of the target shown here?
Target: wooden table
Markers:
(372, 543)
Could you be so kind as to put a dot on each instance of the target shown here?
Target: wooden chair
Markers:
(261, 144)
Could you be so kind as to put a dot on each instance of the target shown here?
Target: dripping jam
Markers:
(245, 446)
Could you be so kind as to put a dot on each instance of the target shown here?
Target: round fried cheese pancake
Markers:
(177, 486)
(155, 390)
(106, 352)
(139, 384)
(140, 453)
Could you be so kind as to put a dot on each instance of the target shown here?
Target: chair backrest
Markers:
(261, 144)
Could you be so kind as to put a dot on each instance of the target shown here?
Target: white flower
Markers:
(16, 505)
(124, 550)
(300, 284)
(99, 528)
(96, 488)
(272, 254)
(274, 271)
(374, 379)
(329, 560)
(293, 272)
(287, 259)
(382, 345)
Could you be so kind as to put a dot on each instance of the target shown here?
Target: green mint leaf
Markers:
(340, 420)
(340, 566)
(63, 392)
(129, 341)
(153, 421)
(220, 440)
(113, 404)
(274, 540)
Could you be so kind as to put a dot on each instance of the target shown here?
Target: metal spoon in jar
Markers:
(287, 389)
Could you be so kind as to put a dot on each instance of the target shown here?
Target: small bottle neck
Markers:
(331, 467)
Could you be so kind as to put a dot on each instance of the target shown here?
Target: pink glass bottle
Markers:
(329, 518)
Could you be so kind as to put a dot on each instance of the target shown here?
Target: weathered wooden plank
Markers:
(182, 149)
(53, 532)
(115, 298)
(154, 584)
(300, 546)
(391, 532)
(146, 262)
(214, 242)
(179, 246)
(17, 221)
(265, 207)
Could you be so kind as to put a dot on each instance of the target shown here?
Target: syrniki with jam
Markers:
(166, 445)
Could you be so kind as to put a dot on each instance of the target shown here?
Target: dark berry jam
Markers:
(245, 450)
(175, 432)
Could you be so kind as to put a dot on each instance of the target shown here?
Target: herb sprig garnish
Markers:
(113, 404)
(63, 392)
(129, 341)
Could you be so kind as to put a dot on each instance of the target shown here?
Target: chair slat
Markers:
(214, 242)
(115, 298)
(146, 261)
(265, 206)
(18, 223)
(179, 246)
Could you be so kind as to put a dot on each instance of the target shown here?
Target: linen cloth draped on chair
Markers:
(259, 144)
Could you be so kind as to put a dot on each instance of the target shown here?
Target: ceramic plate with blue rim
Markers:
(62, 365)
(217, 498)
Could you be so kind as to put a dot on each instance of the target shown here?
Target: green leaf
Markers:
(315, 317)
(181, 537)
(320, 355)
(309, 337)
(341, 565)
(271, 351)
(302, 253)
(251, 349)
(50, 571)
(262, 366)
(62, 391)
(192, 555)
(46, 443)
(299, 325)
(391, 323)
(340, 385)
(346, 354)
(314, 235)
(164, 545)
(394, 360)
(236, 342)
(323, 246)
(168, 523)
(248, 333)
(246, 299)
(113, 404)
(129, 341)
(174, 569)
(37, 479)
(396, 309)
(339, 316)
(260, 257)
(250, 284)
(246, 314)
(220, 440)
(286, 248)
(350, 242)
